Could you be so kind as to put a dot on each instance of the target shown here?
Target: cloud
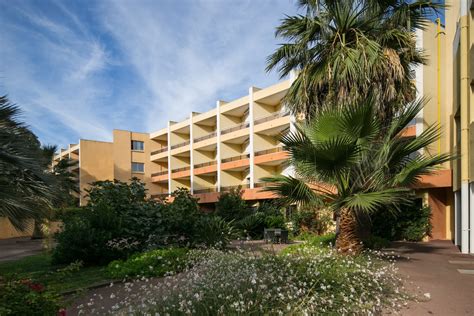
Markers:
(200, 53)
(49, 70)
(80, 71)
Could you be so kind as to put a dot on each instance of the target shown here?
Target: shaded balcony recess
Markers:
(207, 190)
(159, 150)
(269, 118)
(159, 195)
(263, 184)
(231, 187)
(156, 174)
(269, 151)
(235, 158)
(181, 169)
(205, 164)
(211, 135)
(235, 128)
(180, 144)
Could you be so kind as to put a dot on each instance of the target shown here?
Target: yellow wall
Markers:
(96, 163)
(8, 231)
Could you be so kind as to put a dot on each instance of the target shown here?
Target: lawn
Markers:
(59, 278)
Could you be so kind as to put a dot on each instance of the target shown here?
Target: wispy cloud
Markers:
(80, 72)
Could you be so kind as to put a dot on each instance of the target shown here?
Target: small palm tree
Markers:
(344, 49)
(25, 187)
(345, 160)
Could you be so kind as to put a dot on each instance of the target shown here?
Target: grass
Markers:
(58, 278)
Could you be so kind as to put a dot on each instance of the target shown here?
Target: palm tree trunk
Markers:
(37, 230)
(347, 237)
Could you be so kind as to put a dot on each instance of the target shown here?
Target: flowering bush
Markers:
(25, 297)
(152, 263)
(310, 281)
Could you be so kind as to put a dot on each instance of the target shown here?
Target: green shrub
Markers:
(154, 263)
(119, 221)
(275, 221)
(213, 231)
(252, 225)
(376, 242)
(25, 297)
(311, 220)
(412, 223)
(180, 217)
(86, 236)
(310, 241)
(231, 206)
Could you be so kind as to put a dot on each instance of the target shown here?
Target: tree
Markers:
(231, 205)
(345, 49)
(25, 187)
(344, 159)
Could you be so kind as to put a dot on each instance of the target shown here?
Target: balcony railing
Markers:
(269, 151)
(156, 174)
(211, 135)
(207, 190)
(232, 187)
(159, 150)
(235, 128)
(180, 144)
(181, 169)
(159, 195)
(269, 118)
(205, 164)
(262, 184)
(235, 158)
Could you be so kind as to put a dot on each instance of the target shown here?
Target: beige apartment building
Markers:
(236, 142)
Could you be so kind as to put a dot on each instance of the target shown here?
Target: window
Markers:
(138, 167)
(138, 145)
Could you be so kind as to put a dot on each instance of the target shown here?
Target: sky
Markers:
(79, 69)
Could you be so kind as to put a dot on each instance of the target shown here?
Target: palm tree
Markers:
(345, 160)
(25, 187)
(344, 49)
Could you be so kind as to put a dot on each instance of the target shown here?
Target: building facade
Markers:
(236, 142)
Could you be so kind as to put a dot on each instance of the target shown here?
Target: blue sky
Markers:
(79, 69)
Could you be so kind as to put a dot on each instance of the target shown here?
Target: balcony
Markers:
(263, 184)
(207, 190)
(160, 196)
(235, 128)
(180, 144)
(180, 169)
(157, 174)
(269, 118)
(234, 187)
(211, 135)
(205, 164)
(235, 158)
(159, 151)
(269, 151)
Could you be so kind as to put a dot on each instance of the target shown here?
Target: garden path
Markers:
(438, 274)
(17, 248)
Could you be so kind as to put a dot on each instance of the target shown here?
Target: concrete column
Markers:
(471, 217)
(464, 106)
(457, 218)
(419, 84)
(251, 137)
(218, 139)
(191, 160)
(169, 158)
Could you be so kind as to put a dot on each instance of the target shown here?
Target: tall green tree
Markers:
(345, 160)
(344, 49)
(25, 188)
